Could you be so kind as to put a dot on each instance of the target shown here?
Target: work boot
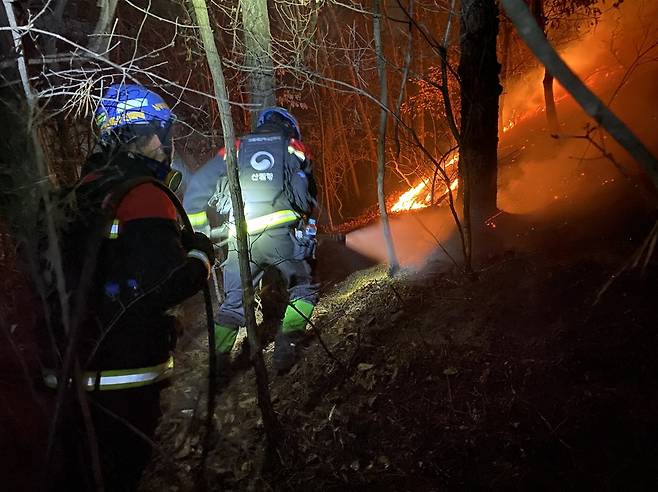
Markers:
(286, 350)
(224, 340)
(296, 316)
(222, 366)
(286, 343)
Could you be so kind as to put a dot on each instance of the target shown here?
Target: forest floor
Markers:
(520, 377)
(523, 376)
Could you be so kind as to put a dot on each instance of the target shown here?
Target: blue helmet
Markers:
(126, 105)
(276, 114)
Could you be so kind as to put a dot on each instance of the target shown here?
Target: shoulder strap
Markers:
(286, 172)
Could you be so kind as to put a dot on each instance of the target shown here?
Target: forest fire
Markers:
(414, 199)
(410, 200)
(499, 323)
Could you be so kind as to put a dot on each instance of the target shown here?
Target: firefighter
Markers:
(146, 265)
(278, 190)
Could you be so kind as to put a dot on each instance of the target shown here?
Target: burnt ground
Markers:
(513, 379)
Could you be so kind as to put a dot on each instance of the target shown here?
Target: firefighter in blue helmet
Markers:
(279, 194)
(146, 265)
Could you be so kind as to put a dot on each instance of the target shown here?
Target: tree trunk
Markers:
(405, 75)
(381, 141)
(340, 123)
(549, 101)
(364, 117)
(325, 172)
(347, 155)
(480, 88)
(270, 421)
(34, 166)
(506, 29)
(258, 56)
(445, 92)
(105, 18)
(547, 83)
(363, 111)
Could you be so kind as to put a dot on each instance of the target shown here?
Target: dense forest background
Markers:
(441, 100)
(324, 63)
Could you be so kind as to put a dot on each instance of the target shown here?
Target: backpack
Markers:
(267, 173)
(81, 217)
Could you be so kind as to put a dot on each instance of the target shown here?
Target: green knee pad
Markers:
(296, 315)
(224, 338)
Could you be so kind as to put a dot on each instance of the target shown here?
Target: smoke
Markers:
(618, 60)
(599, 57)
(538, 173)
(415, 236)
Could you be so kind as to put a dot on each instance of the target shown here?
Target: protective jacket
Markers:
(275, 177)
(142, 271)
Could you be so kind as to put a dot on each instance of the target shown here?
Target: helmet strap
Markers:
(163, 172)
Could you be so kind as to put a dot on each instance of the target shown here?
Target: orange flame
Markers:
(409, 200)
(413, 198)
(511, 124)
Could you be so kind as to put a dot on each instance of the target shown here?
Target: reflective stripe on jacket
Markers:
(118, 379)
(269, 221)
(199, 221)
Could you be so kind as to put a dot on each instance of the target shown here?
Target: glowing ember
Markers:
(509, 126)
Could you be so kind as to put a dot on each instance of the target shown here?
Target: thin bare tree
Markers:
(270, 420)
(381, 141)
(258, 54)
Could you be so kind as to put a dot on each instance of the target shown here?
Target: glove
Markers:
(199, 241)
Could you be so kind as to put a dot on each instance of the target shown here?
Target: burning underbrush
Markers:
(616, 59)
(431, 190)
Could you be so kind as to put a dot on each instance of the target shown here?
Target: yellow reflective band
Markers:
(114, 229)
(198, 219)
(297, 152)
(123, 118)
(120, 378)
(260, 224)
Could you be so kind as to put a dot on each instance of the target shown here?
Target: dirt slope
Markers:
(511, 380)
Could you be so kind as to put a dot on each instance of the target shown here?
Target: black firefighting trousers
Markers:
(124, 422)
